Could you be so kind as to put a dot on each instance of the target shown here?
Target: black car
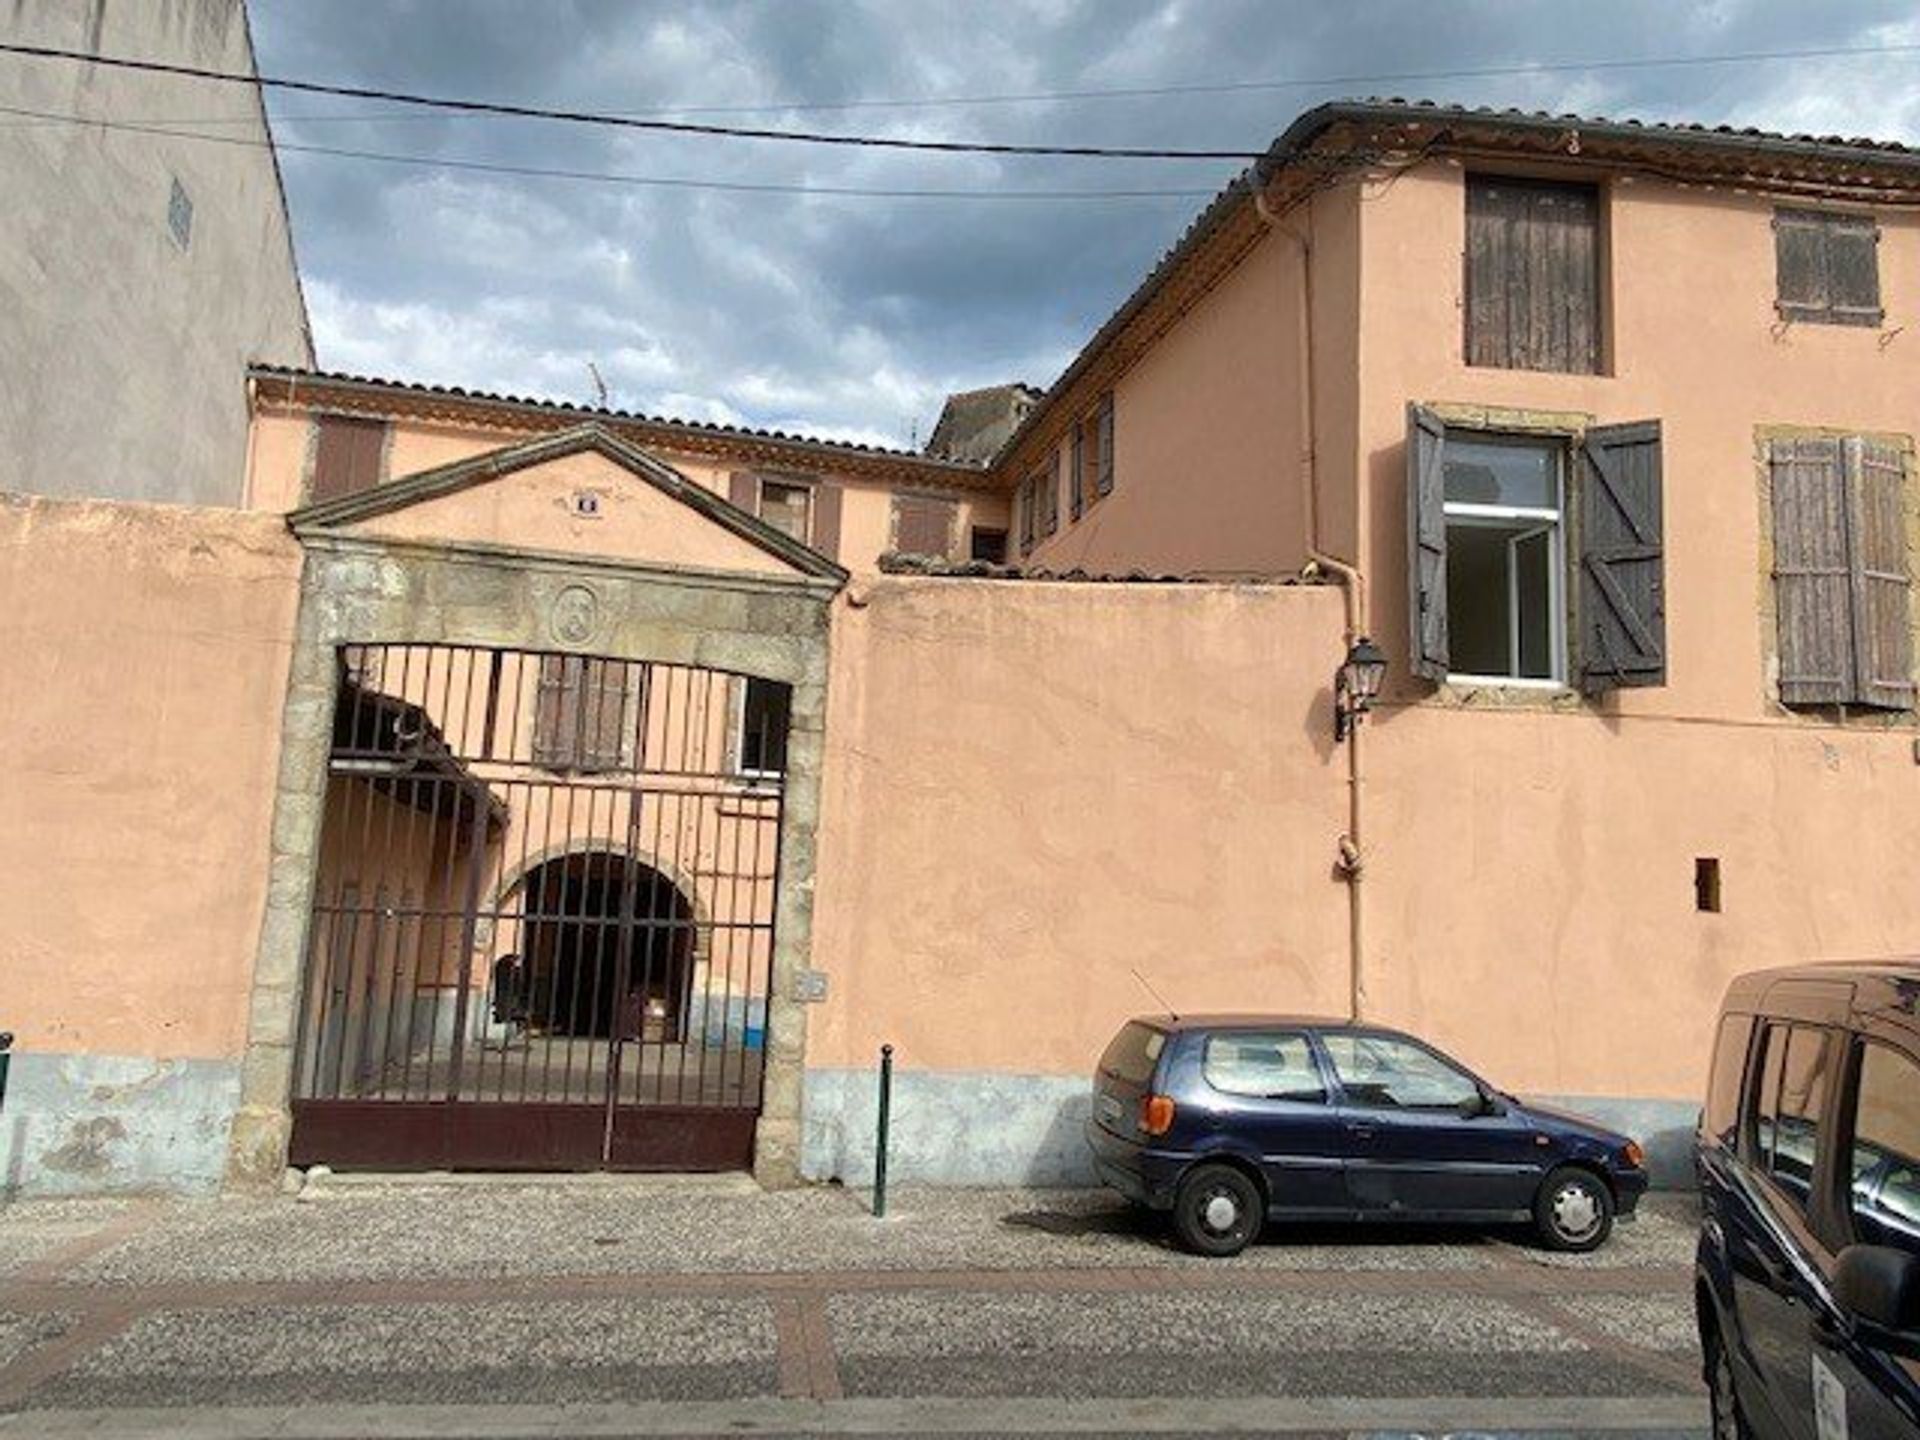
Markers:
(1807, 1282)
(1225, 1121)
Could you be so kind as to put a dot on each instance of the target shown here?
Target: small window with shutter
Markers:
(924, 524)
(1077, 472)
(1533, 274)
(348, 451)
(1046, 499)
(1023, 502)
(587, 713)
(1828, 264)
(1841, 572)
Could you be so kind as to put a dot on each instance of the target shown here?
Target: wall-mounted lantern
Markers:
(1355, 684)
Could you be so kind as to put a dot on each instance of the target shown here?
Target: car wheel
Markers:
(1574, 1210)
(1217, 1210)
(1723, 1401)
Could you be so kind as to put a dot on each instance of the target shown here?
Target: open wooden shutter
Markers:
(743, 489)
(1811, 573)
(826, 520)
(1878, 582)
(1077, 472)
(1426, 543)
(1623, 602)
(1103, 479)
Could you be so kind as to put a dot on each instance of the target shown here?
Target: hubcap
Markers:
(1576, 1213)
(1220, 1212)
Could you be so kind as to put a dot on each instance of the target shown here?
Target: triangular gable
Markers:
(519, 497)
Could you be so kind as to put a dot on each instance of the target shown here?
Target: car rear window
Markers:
(1134, 1052)
(1268, 1065)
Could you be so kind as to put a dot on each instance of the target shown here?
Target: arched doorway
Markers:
(609, 945)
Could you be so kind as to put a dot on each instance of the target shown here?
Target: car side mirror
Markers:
(1481, 1102)
(1880, 1285)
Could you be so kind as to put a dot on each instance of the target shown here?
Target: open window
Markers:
(760, 728)
(1500, 595)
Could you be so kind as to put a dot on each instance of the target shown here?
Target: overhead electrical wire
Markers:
(1517, 69)
(621, 122)
(490, 167)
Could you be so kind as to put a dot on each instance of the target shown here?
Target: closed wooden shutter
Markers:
(580, 716)
(1879, 580)
(826, 520)
(556, 715)
(1103, 481)
(1427, 543)
(924, 525)
(743, 489)
(1023, 502)
(1533, 275)
(347, 453)
(1047, 488)
(1623, 606)
(1811, 574)
(1827, 265)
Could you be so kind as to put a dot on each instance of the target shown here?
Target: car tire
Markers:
(1723, 1399)
(1217, 1210)
(1573, 1210)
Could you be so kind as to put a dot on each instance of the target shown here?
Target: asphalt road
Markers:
(635, 1308)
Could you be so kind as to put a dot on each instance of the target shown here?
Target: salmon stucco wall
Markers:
(1031, 792)
(1211, 456)
(139, 737)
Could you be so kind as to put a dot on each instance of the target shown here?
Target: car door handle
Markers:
(1360, 1132)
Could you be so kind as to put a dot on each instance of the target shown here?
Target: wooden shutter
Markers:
(1427, 543)
(1623, 604)
(556, 715)
(924, 525)
(1046, 499)
(604, 687)
(1077, 472)
(1878, 580)
(1103, 482)
(743, 489)
(347, 452)
(1811, 574)
(826, 520)
(1532, 275)
(1827, 266)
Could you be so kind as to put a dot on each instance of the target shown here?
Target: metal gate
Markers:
(542, 930)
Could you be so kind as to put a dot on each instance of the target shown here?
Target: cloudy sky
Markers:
(852, 316)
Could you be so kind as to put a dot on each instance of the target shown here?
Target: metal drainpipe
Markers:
(1350, 859)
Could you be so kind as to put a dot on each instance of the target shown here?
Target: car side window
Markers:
(1269, 1065)
(1380, 1070)
(1721, 1121)
(1885, 1189)
(1789, 1107)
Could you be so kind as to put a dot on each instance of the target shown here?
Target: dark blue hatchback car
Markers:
(1226, 1120)
(1807, 1285)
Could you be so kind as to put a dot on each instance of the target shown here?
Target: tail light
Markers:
(1156, 1114)
(1635, 1157)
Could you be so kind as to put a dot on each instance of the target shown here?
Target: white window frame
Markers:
(738, 746)
(1554, 518)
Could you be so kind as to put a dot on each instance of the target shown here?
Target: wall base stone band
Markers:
(960, 1128)
(93, 1124)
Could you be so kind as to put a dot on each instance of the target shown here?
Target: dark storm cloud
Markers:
(853, 317)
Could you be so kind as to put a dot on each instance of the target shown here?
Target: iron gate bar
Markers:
(576, 829)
